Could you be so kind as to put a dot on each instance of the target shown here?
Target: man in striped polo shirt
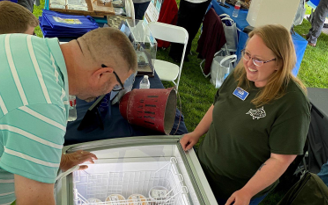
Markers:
(36, 77)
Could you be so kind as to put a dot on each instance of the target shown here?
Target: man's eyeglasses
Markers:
(120, 86)
(256, 62)
(116, 87)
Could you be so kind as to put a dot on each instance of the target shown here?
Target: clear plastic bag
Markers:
(221, 66)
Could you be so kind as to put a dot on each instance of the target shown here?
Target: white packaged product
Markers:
(158, 194)
(94, 201)
(137, 199)
(115, 199)
(57, 4)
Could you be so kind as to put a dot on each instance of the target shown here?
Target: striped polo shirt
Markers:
(33, 110)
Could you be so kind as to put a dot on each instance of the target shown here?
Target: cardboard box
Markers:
(95, 8)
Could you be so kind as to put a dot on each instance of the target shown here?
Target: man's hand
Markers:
(239, 197)
(70, 160)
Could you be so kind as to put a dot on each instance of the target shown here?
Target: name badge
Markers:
(240, 93)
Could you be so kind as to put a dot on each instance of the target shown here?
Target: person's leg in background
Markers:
(318, 21)
(190, 17)
(140, 9)
(29, 4)
(195, 22)
(183, 15)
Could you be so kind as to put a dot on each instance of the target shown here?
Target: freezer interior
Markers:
(136, 175)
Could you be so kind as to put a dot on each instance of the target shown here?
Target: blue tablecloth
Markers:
(299, 42)
(114, 124)
(241, 18)
(300, 45)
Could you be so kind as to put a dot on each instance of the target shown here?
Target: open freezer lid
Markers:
(157, 149)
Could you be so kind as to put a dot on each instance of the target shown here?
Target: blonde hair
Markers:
(14, 18)
(278, 39)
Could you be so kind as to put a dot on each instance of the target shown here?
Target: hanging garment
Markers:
(211, 40)
(169, 15)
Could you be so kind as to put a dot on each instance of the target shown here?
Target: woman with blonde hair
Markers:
(258, 122)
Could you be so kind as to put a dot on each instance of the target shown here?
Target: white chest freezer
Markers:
(149, 170)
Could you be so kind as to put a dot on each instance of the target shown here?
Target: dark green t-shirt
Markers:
(242, 137)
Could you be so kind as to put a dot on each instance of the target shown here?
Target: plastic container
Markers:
(72, 110)
(272, 12)
(236, 9)
(144, 83)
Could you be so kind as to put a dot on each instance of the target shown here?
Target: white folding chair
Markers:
(175, 34)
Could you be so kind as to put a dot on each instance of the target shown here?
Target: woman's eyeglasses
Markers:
(256, 62)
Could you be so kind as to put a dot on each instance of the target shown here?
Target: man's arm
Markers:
(31, 192)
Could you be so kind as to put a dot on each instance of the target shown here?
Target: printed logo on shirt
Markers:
(257, 113)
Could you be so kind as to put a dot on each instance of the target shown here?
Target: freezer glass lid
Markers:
(135, 175)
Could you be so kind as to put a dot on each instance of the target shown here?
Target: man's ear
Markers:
(101, 75)
(30, 30)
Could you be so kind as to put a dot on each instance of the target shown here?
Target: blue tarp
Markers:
(53, 24)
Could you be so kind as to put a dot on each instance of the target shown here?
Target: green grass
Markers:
(38, 12)
(197, 93)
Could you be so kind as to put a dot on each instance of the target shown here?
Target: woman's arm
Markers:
(268, 173)
(190, 139)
